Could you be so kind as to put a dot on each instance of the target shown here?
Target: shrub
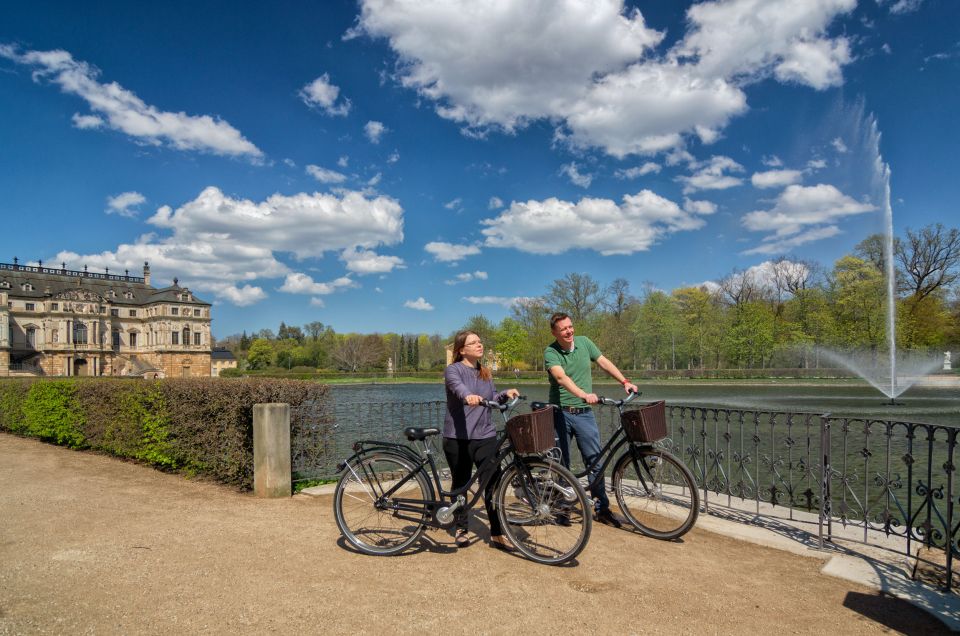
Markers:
(53, 413)
(13, 392)
(231, 373)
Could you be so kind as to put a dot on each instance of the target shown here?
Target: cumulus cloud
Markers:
(712, 175)
(466, 277)
(554, 226)
(369, 262)
(495, 203)
(320, 93)
(374, 130)
(592, 68)
(699, 207)
(638, 171)
(221, 245)
(299, 283)
(455, 204)
(572, 172)
(124, 203)
(801, 215)
(119, 109)
(420, 304)
(450, 252)
(323, 175)
(775, 178)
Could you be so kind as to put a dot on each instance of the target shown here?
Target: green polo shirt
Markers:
(576, 364)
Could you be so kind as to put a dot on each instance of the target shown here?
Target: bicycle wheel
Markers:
(543, 511)
(368, 519)
(656, 492)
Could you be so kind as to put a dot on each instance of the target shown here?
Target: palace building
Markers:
(60, 322)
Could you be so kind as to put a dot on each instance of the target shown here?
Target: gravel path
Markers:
(91, 544)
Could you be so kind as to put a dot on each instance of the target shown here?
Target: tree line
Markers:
(779, 315)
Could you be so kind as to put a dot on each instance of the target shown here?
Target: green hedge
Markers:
(200, 426)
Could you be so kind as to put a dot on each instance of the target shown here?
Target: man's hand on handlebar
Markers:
(591, 398)
(630, 387)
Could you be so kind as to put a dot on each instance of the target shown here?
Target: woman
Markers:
(469, 437)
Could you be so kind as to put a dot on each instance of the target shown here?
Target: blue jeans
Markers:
(583, 426)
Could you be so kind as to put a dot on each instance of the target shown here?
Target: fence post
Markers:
(825, 503)
(271, 450)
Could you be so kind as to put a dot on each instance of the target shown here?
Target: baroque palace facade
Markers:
(60, 322)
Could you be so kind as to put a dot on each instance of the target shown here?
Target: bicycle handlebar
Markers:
(490, 404)
(600, 400)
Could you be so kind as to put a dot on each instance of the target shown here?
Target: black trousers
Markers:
(462, 455)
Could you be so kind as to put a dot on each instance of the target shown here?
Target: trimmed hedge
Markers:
(196, 425)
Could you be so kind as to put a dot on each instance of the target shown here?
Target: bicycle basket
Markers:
(532, 432)
(646, 424)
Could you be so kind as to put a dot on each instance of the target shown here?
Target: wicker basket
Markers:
(646, 424)
(533, 432)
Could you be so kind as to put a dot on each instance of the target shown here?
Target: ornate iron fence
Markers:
(889, 480)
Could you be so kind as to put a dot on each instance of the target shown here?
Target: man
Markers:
(567, 361)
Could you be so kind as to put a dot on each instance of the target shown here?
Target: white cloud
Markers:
(240, 296)
(712, 175)
(506, 301)
(591, 69)
(419, 304)
(123, 204)
(450, 252)
(455, 204)
(394, 157)
(343, 161)
(638, 171)
(816, 164)
(839, 146)
(323, 175)
(317, 302)
(466, 277)
(772, 161)
(374, 130)
(320, 93)
(299, 283)
(290, 163)
(87, 122)
(121, 110)
(801, 215)
(903, 6)
(576, 178)
(368, 262)
(553, 226)
(375, 179)
(699, 207)
(775, 178)
(495, 203)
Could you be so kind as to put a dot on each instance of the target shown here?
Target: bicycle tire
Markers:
(656, 492)
(531, 498)
(365, 521)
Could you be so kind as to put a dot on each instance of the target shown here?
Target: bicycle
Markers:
(390, 493)
(655, 490)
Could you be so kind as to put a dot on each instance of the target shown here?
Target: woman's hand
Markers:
(512, 393)
(473, 400)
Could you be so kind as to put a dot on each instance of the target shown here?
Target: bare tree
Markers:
(740, 287)
(930, 259)
(356, 352)
(575, 294)
(618, 297)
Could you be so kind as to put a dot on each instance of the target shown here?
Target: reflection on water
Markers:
(931, 405)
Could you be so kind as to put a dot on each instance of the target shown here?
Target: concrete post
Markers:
(271, 451)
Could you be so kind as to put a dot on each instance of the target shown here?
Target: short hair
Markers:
(557, 317)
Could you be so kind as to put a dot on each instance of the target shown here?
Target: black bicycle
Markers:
(389, 493)
(655, 490)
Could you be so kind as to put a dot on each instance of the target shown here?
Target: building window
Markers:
(133, 313)
(115, 313)
(116, 339)
(186, 336)
(174, 311)
(196, 312)
(79, 333)
(29, 306)
(31, 337)
(175, 337)
(196, 338)
(54, 335)
(133, 340)
(54, 306)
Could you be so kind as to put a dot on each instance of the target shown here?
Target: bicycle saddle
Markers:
(415, 434)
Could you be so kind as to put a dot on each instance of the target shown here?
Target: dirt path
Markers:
(90, 544)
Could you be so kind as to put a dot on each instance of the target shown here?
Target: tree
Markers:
(511, 342)
(355, 352)
(750, 338)
(698, 312)
(314, 329)
(656, 330)
(481, 326)
(930, 258)
(577, 295)
(740, 287)
(858, 297)
(260, 355)
(534, 316)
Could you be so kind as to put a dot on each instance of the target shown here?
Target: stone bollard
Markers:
(271, 450)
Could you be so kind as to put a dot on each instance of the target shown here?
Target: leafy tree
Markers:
(656, 330)
(577, 295)
(482, 326)
(699, 315)
(858, 297)
(750, 338)
(534, 316)
(260, 355)
(511, 342)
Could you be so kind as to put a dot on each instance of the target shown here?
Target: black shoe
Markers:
(563, 519)
(607, 517)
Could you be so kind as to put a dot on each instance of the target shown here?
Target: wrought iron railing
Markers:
(890, 481)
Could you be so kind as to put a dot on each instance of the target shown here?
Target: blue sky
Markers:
(403, 165)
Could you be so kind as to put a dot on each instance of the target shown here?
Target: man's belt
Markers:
(575, 410)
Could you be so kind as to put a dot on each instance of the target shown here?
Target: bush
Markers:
(200, 425)
(231, 373)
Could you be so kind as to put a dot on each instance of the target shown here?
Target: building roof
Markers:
(46, 282)
(221, 354)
